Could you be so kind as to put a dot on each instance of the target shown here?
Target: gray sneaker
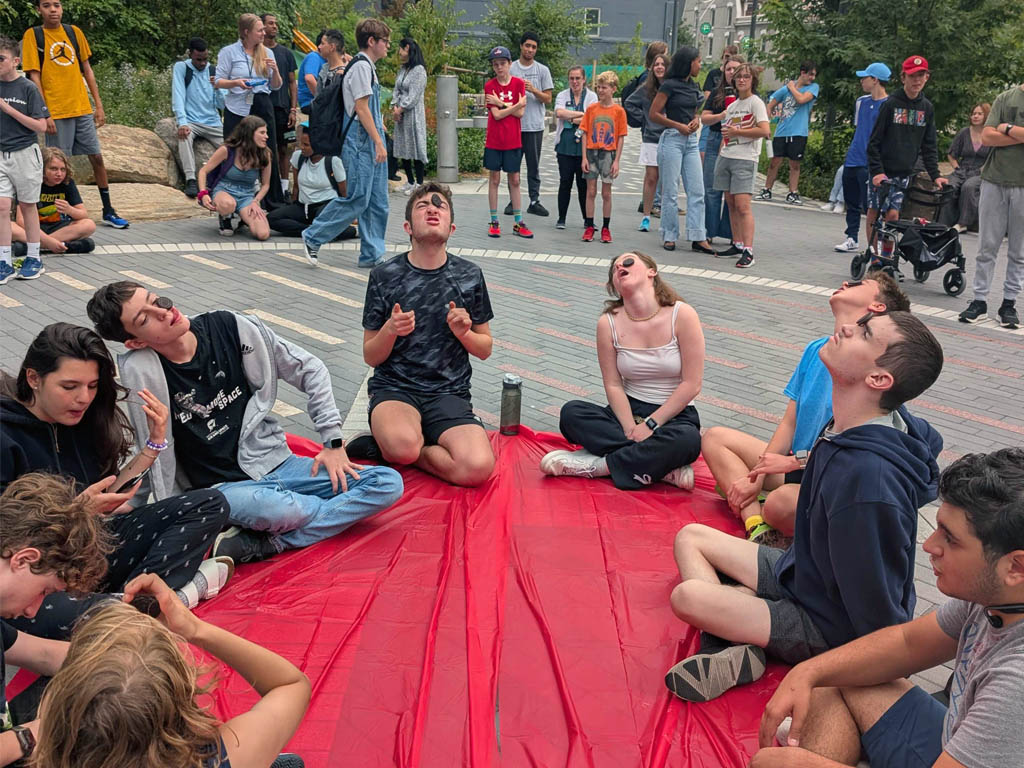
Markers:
(706, 676)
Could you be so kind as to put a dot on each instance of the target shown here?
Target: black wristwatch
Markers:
(335, 443)
(651, 423)
(1008, 128)
(26, 739)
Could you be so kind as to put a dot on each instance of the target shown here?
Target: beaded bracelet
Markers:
(156, 446)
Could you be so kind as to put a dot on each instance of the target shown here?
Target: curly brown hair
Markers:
(42, 511)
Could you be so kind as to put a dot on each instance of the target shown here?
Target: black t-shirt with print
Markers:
(208, 398)
(683, 98)
(430, 360)
(8, 635)
(48, 195)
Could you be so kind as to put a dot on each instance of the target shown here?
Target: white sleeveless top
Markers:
(649, 375)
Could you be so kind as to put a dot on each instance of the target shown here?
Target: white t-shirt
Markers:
(314, 183)
(359, 80)
(540, 77)
(745, 113)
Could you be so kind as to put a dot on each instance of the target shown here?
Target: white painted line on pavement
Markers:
(8, 303)
(282, 408)
(145, 279)
(291, 325)
(78, 285)
(361, 276)
(357, 418)
(205, 262)
(309, 289)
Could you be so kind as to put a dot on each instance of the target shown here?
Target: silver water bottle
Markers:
(511, 404)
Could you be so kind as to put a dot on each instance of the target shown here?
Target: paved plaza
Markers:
(547, 295)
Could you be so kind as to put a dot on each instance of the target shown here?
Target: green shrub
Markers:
(134, 96)
(471, 150)
(818, 168)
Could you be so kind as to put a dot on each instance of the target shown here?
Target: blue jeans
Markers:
(836, 193)
(678, 153)
(716, 212)
(367, 198)
(302, 510)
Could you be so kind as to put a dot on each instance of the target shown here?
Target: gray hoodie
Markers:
(261, 446)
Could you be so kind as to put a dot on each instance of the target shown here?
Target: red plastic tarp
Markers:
(525, 623)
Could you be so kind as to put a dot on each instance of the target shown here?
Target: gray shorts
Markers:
(75, 136)
(793, 636)
(600, 165)
(735, 176)
(21, 173)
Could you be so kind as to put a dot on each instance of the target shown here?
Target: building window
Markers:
(730, 15)
(711, 45)
(712, 18)
(593, 16)
(728, 40)
(748, 8)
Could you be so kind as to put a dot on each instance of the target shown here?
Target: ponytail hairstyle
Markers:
(246, 22)
(663, 292)
(104, 420)
(247, 152)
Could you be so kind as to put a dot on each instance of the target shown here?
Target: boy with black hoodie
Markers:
(904, 129)
(850, 569)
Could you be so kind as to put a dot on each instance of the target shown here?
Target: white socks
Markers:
(208, 582)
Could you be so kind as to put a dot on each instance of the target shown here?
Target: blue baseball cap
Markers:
(877, 69)
(499, 52)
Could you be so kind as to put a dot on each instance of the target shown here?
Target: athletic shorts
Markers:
(649, 154)
(75, 136)
(793, 637)
(507, 160)
(789, 146)
(438, 413)
(49, 227)
(893, 200)
(21, 173)
(908, 735)
(600, 161)
(735, 176)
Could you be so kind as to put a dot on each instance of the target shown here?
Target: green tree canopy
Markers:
(560, 24)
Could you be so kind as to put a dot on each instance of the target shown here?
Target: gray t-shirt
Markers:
(539, 77)
(360, 75)
(986, 708)
(22, 94)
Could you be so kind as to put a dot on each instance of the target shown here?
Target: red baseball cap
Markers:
(914, 64)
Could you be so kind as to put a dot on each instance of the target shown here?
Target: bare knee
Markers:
(688, 599)
(5, 206)
(88, 226)
(690, 541)
(401, 449)
(96, 161)
(780, 510)
(513, 180)
(473, 472)
(713, 440)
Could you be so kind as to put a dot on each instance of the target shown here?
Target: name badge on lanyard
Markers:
(249, 98)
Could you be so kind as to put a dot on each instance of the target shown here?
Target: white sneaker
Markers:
(404, 189)
(849, 245)
(839, 208)
(410, 189)
(680, 477)
(573, 464)
(827, 206)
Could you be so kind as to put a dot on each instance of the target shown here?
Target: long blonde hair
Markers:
(125, 696)
(664, 293)
(259, 55)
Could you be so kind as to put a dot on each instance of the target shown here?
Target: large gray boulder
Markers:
(131, 155)
(167, 130)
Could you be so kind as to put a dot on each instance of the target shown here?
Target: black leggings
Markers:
(407, 166)
(168, 538)
(289, 220)
(633, 465)
(261, 107)
(570, 167)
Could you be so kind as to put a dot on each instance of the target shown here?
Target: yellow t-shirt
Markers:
(63, 85)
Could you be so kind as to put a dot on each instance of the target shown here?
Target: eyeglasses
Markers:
(385, 40)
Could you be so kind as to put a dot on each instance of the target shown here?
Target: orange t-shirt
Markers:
(604, 126)
(63, 85)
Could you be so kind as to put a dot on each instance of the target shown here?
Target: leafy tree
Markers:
(628, 53)
(560, 24)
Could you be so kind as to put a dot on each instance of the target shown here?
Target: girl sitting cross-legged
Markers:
(651, 351)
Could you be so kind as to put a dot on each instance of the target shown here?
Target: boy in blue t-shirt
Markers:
(796, 99)
(855, 167)
(745, 466)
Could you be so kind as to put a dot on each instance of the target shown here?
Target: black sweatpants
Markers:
(262, 107)
(168, 538)
(532, 143)
(570, 168)
(289, 220)
(633, 465)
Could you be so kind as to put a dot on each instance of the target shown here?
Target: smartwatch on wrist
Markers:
(335, 443)
(651, 423)
(1007, 129)
(801, 458)
(26, 739)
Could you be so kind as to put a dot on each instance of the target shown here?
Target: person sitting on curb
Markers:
(50, 541)
(850, 569)
(650, 429)
(90, 713)
(856, 699)
(744, 466)
(426, 312)
(219, 374)
(64, 223)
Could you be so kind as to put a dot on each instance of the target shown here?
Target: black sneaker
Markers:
(363, 446)
(288, 760)
(243, 545)
(794, 199)
(560, 224)
(746, 260)
(85, 245)
(764, 194)
(706, 676)
(640, 207)
(1008, 315)
(225, 227)
(19, 250)
(508, 208)
(191, 188)
(729, 252)
(536, 209)
(974, 312)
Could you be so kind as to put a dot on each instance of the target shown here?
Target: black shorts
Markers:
(791, 147)
(49, 227)
(281, 124)
(438, 413)
(507, 160)
(795, 476)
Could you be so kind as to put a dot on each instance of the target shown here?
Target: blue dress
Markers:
(240, 184)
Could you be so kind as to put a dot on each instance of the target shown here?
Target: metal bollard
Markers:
(511, 404)
(447, 139)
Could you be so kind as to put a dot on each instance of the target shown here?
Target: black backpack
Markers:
(327, 124)
(189, 74)
(218, 173)
(328, 166)
(41, 45)
(631, 86)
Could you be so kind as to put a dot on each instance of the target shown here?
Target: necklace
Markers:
(641, 319)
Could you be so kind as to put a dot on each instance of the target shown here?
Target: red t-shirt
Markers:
(504, 134)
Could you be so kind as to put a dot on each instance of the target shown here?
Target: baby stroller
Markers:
(927, 245)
